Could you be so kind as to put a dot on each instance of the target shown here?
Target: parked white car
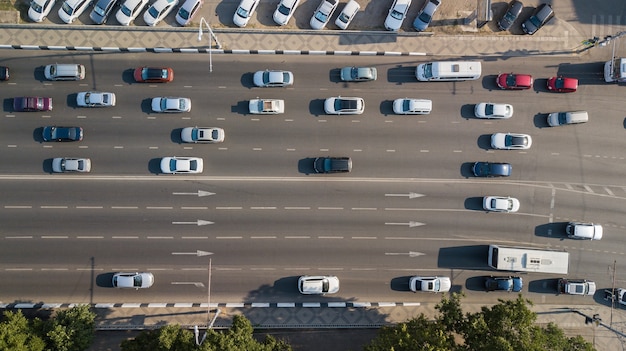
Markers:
(95, 99)
(129, 10)
(318, 285)
(284, 11)
(244, 12)
(132, 280)
(72, 9)
(322, 14)
(430, 284)
(491, 110)
(397, 14)
(188, 11)
(158, 11)
(39, 9)
(209, 135)
(347, 14)
(408, 106)
(266, 106)
(500, 204)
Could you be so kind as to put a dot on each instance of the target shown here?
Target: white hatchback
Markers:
(491, 110)
(72, 9)
(244, 12)
(347, 14)
(397, 14)
(129, 10)
(39, 9)
(322, 14)
(284, 11)
(158, 11)
(500, 204)
(171, 104)
(318, 285)
(187, 11)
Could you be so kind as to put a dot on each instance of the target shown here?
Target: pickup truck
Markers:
(577, 287)
(266, 106)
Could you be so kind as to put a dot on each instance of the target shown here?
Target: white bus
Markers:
(448, 71)
(523, 259)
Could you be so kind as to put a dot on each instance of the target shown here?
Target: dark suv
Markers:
(332, 164)
(540, 17)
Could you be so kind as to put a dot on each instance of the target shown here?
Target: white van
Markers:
(448, 71)
(64, 71)
(556, 119)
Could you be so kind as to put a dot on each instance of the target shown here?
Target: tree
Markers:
(16, 334)
(507, 326)
(71, 330)
(173, 338)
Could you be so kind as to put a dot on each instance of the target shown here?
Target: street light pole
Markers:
(213, 37)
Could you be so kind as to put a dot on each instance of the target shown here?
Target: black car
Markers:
(515, 8)
(540, 17)
(53, 133)
(4, 73)
(332, 164)
(514, 284)
(491, 169)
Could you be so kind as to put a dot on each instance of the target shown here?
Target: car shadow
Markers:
(242, 107)
(474, 203)
(555, 230)
(247, 80)
(540, 120)
(146, 106)
(39, 75)
(469, 257)
(334, 75)
(540, 86)
(175, 136)
(467, 111)
(128, 76)
(316, 107)
(489, 82)
(286, 286)
(105, 280)
(7, 105)
(305, 165)
(400, 283)
(386, 108)
(46, 166)
(401, 74)
(37, 135)
(466, 170)
(543, 286)
(154, 166)
(484, 142)
(475, 283)
(71, 100)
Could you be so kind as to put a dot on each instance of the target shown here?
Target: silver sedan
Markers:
(95, 99)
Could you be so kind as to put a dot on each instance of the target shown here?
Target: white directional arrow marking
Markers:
(199, 193)
(409, 195)
(411, 224)
(197, 253)
(410, 254)
(197, 284)
(198, 222)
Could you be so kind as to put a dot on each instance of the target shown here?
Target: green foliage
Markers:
(16, 334)
(173, 338)
(506, 326)
(71, 330)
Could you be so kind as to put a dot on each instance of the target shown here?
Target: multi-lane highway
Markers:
(410, 205)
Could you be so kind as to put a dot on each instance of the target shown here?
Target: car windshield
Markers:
(406, 105)
(325, 285)
(284, 9)
(489, 109)
(428, 70)
(36, 7)
(559, 83)
(215, 134)
(126, 11)
(184, 14)
(137, 280)
(193, 165)
(343, 17)
(67, 8)
(510, 80)
(511, 140)
(321, 16)
(534, 20)
(99, 10)
(242, 12)
(424, 17)
(396, 14)
(562, 118)
(153, 12)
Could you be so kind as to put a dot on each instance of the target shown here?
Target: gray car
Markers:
(540, 17)
(425, 16)
(101, 11)
(358, 74)
(515, 8)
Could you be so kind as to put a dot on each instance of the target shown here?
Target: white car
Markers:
(39, 9)
(585, 231)
(171, 104)
(500, 204)
(132, 280)
(284, 11)
(187, 11)
(129, 10)
(318, 285)
(347, 14)
(408, 106)
(269, 78)
(72, 9)
(397, 14)
(581, 287)
(491, 110)
(244, 12)
(511, 141)
(322, 14)
(66, 164)
(95, 99)
(266, 106)
(202, 135)
(175, 165)
(158, 11)
(430, 284)
(344, 105)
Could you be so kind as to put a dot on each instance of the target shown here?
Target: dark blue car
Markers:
(492, 169)
(514, 284)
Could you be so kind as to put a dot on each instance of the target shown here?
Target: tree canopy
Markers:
(506, 326)
(174, 338)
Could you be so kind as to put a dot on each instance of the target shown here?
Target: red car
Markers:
(562, 84)
(153, 74)
(514, 81)
(32, 104)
